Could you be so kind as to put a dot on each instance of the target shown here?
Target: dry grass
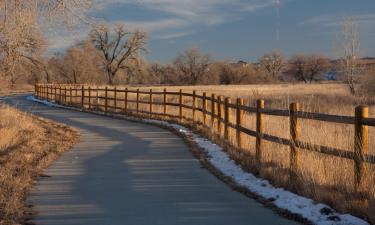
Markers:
(27, 146)
(19, 88)
(322, 177)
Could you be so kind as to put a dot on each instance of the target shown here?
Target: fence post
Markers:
(204, 108)
(126, 100)
(360, 143)
(150, 101)
(106, 99)
(137, 102)
(181, 102)
(213, 111)
(97, 98)
(83, 97)
(115, 98)
(220, 111)
(194, 105)
(64, 95)
(165, 101)
(60, 94)
(294, 136)
(239, 117)
(227, 118)
(89, 97)
(260, 131)
(70, 95)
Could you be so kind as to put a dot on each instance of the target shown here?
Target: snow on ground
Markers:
(316, 213)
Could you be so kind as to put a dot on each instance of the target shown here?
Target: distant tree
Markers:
(272, 63)
(316, 64)
(235, 73)
(156, 72)
(80, 64)
(308, 68)
(350, 52)
(118, 47)
(299, 67)
(21, 28)
(192, 65)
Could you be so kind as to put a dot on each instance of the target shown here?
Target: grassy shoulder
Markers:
(27, 146)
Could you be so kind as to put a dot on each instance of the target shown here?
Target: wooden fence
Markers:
(87, 97)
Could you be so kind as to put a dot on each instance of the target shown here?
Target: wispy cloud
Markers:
(181, 14)
(179, 17)
(173, 35)
(336, 19)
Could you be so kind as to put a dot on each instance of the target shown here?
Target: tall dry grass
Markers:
(27, 146)
(322, 177)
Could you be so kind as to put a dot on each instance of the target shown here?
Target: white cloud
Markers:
(158, 25)
(334, 20)
(206, 12)
(65, 39)
(173, 35)
(180, 16)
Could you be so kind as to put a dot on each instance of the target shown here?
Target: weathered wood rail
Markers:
(220, 112)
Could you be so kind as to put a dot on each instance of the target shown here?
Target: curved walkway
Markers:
(126, 173)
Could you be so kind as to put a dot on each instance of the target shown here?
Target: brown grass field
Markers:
(322, 177)
(27, 146)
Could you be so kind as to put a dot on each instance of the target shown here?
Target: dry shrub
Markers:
(27, 146)
(367, 88)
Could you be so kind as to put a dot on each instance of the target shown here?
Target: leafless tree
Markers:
(118, 47)
(350, 52)
(272, 63)
(21, 28)
(192, 65)
(308, 68)
(299, 67)
(80, 64)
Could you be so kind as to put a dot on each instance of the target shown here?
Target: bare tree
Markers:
(272, 63)
(350, 52)
(80, 64)
(118, 49)
(299, 67)
(192, 65)
(21, 28)
(308, 68)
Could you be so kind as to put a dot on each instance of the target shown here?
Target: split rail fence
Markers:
(217, 117)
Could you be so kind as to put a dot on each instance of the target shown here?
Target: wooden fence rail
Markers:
(220, 115)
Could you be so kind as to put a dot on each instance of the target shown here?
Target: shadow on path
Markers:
(130, 173)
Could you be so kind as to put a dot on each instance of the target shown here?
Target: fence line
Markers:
(220, 113)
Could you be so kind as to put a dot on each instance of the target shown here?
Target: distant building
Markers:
(240, 63)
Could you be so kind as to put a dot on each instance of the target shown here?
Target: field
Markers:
(322, 177)
(27, 146)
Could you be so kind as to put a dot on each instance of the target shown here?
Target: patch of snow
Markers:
(316, 213)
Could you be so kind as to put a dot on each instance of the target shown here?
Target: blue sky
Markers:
(239, 29)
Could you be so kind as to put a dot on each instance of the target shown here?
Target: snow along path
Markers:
(316, 213)
(124, 172)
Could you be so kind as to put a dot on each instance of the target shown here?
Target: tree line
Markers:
(115, 54)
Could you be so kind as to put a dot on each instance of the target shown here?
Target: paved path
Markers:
(126, 173)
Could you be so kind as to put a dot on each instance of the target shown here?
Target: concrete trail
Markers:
(127, 173)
